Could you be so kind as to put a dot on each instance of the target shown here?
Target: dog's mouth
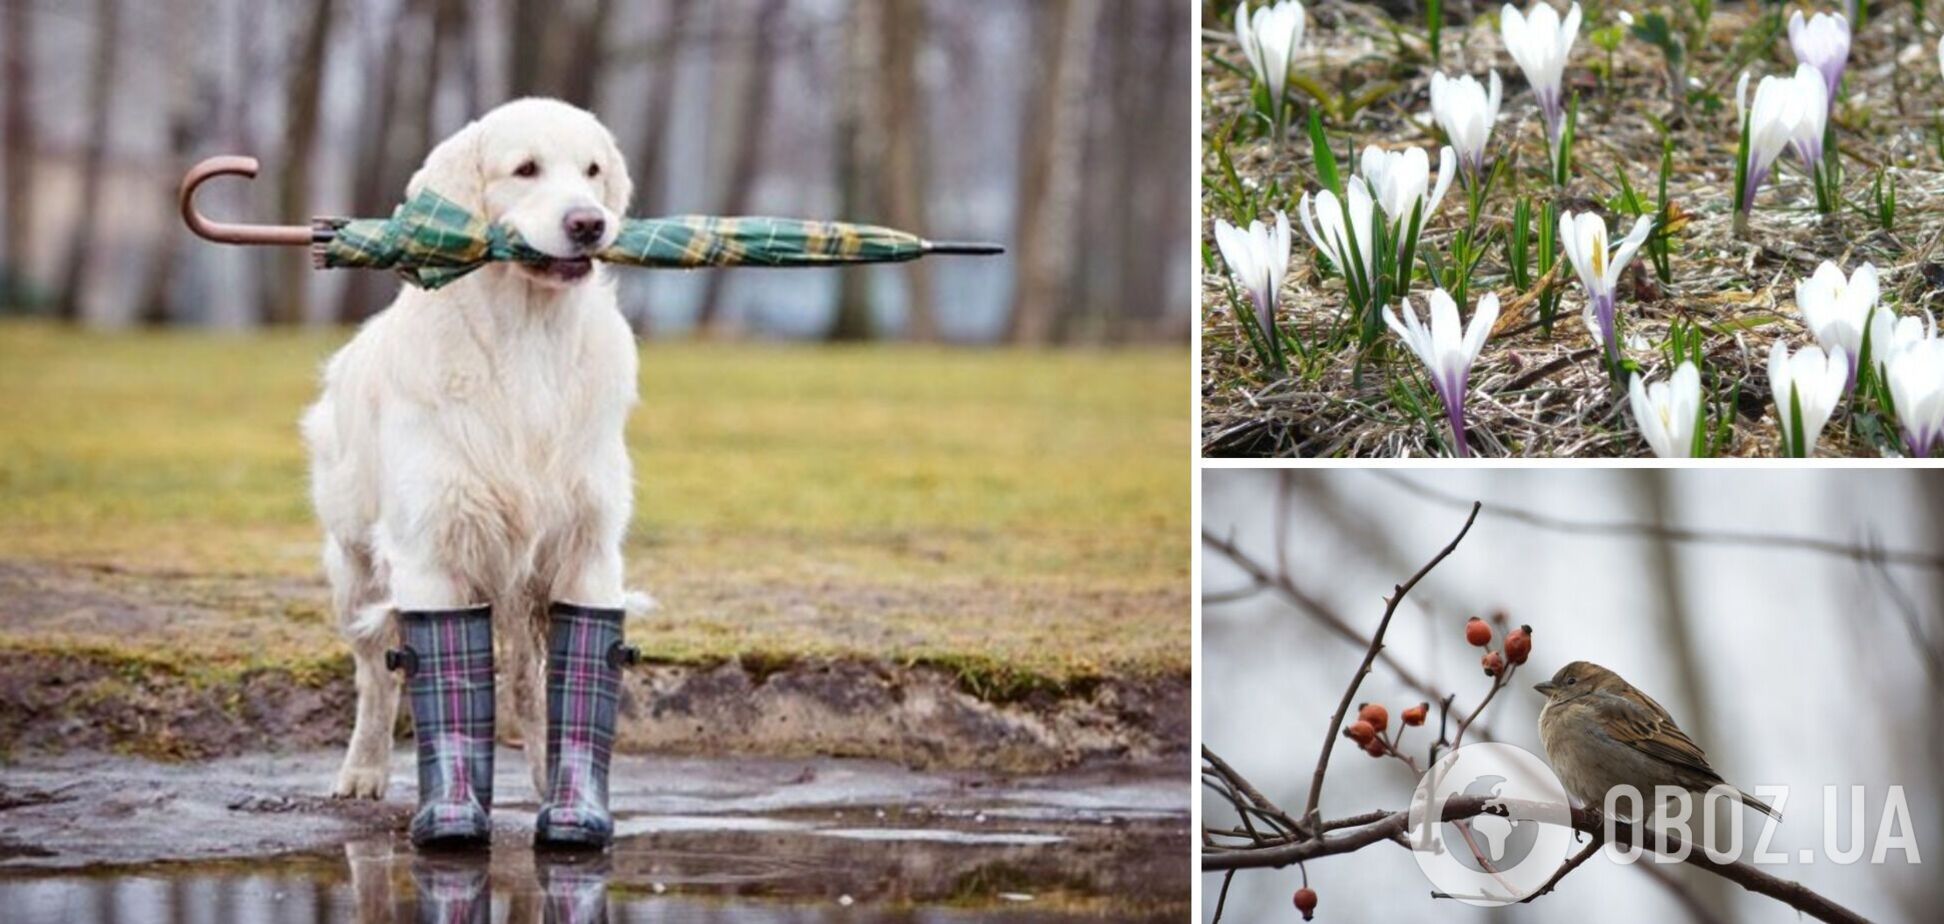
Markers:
(562, 269)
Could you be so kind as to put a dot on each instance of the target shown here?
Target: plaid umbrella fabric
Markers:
(431, 241)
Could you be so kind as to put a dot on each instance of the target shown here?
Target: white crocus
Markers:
(1269, 38)
(1916, 375)
(1813, 380)
(1837, 310)
(1259, 258)
(1466, 111)
(1668, 412)
(1772, 121)
(1892, 335)
(1822, 41)
(1398, 180)
(1541, 42)
(1322, 218)
(1584, 238)
(1807, 139)
(1447, 348)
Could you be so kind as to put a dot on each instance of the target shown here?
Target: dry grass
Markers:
(1539, 395)
(1004, 511)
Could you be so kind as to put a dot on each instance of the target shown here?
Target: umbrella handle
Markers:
(224, 232)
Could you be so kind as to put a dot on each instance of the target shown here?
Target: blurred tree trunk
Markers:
(587, 60)
(860, 142)
(658, 114)
(1050, 173)
(747, 145)
(1683, 643)
(526, 46)
(94, 163)
(19, 152)
(906, 153)
(1163, 292)
(373, 186)
(1102, 266)
(303, 98)
(188, 119)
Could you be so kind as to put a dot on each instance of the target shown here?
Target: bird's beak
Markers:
(1546, 688)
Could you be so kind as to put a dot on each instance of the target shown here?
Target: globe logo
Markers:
(1498, 858)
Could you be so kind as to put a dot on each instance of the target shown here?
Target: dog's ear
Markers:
(617, 188)
(454, 170)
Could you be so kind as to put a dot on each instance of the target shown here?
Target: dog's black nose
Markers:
(584, 226)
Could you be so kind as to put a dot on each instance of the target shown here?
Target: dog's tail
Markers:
(372, 619)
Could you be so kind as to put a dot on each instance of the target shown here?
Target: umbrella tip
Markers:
(971, 248)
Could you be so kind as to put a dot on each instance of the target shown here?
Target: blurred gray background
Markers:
(1788, 667)
(1059, 127)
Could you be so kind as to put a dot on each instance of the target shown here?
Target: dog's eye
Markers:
(593, 170)
(527, 168)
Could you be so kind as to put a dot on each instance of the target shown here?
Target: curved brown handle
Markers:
(224, 232)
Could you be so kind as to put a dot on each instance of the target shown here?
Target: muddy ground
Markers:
(87, 838)
(94, 660)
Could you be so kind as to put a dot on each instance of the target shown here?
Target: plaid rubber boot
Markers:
(448, 664)
(576, 887)
(451, 890)
(584, 660)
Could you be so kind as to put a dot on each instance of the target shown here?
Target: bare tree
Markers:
(375, 178)
(860, 144)
(18, 163)
(905, 151)
(303, 92)
(187, 120)
(746, 143)
(1049, 189)
(586, 57)
(94, 159)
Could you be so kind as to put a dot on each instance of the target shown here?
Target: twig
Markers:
(1677, 533)
(1393, 825)
(1370, 655)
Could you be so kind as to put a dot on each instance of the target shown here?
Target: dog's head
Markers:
(549, 170)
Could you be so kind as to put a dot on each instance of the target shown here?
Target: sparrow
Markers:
(1599, 732)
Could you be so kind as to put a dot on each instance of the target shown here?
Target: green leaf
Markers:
(1326, 165)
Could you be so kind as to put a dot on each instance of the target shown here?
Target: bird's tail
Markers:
(1759, 805)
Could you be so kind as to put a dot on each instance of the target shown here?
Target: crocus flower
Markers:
(1584, 238)
(1772, 122)
(1890, 336)
(1447, 349)
(1916, 375)
(1466, 111)
(1259, 257)
(1807, 139)
(1323, 222)
(1540, 43)
(1269, 39)
(1812, 379)
(1667, 412)
(1838, 310)
(1822, 42)
(1398, 181)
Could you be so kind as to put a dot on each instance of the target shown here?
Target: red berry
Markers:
(1477, 632)
(1361, 732)
(1306, 901)
(1415, 714)
(1377, 716)
(1493, 663)
(1518, 644)
(1376, 747)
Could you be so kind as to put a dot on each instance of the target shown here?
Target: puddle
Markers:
(102, 839)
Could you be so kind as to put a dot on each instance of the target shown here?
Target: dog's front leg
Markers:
(367, 761)
(524, 632)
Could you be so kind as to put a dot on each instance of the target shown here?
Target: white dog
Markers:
(468, 445)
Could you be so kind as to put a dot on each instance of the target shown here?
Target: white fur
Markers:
(468, 445)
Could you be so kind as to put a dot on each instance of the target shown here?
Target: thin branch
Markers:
(1625, 835)
(1370, 655)
(1859, 553)
(1282, 584)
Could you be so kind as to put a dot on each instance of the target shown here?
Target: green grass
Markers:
(1010, 514)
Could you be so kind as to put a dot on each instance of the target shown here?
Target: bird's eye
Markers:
(527, 168)
(593, 170)
(1571, 680)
